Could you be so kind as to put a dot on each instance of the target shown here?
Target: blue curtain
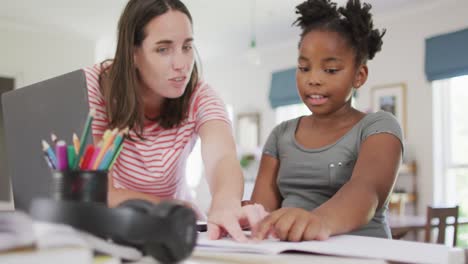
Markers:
(447, 55)
(283, 88)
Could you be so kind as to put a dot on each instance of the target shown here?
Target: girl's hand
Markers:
(292, 224)
(229, 219)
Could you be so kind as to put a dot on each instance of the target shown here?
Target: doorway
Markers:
(6, 84)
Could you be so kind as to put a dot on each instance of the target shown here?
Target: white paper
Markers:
(110, 248)
(53, 235)
(15, 231)
(344, 245)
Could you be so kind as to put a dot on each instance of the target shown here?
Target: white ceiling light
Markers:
(253, 55)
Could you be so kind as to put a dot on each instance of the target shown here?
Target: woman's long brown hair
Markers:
(119, 84)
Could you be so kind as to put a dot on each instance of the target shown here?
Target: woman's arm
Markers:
(266, 190)
(226, 181)
(222, 168)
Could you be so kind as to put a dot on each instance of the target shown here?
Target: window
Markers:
(451, 146)
(287, 112)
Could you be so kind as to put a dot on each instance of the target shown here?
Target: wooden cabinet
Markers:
(404, 197)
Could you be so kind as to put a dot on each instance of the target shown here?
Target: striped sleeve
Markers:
(208, 106)
(96, 100)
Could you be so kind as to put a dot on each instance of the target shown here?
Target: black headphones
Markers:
(166, 231)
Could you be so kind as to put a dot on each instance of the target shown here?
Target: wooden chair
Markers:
(399, 235)
(441, 213)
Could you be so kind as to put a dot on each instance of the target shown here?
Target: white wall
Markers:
(401, 60)
(31, 54)
(246, 86)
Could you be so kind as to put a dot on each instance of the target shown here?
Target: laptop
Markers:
(32, 113)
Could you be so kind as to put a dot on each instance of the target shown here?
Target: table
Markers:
(285, 258)
(200, 257)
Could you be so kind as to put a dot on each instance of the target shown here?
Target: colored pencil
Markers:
(54, 138)
(105, 146)
(62, 157)
(84, 136)
(106, 134)
(71, 154)
(101, 156)
(116, 155)
(50, 152)
(87, 157)
(49, 161)
(76, 144)
(96, 151)
(117, 146)
(107, 158)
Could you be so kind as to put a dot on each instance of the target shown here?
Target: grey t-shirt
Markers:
(309, 177)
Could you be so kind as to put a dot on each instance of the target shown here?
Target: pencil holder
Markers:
(80, 185)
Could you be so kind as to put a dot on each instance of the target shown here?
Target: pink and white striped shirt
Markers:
(157, 164)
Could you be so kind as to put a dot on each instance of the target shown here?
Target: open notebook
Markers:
(344, 245)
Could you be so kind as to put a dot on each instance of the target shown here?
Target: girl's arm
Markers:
(369, 187)
(352, 206)
(266, 190)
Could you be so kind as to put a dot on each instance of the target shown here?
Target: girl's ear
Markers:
(361, 76)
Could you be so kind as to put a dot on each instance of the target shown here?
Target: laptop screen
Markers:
(58, 105)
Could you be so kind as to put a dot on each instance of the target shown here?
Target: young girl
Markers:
(331, 172)
(153, 87)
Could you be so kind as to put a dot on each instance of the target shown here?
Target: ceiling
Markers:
(220, 26)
